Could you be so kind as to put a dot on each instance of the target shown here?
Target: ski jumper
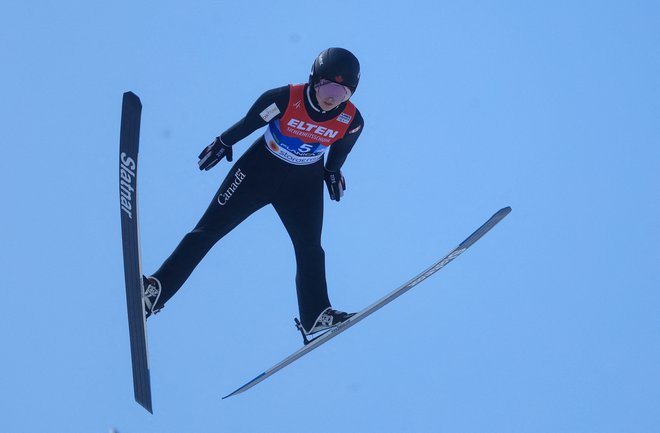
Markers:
(283, 168)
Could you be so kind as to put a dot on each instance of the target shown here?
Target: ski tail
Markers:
(247, 386)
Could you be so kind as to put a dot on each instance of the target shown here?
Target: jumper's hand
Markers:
(336, 184)
(213, 153)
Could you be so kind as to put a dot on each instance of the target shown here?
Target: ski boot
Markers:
(151, 295)
(328, 319)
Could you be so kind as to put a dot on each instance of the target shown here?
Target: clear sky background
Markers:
(550, 323)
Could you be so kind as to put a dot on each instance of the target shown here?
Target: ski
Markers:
(328, 335)
(129, 140)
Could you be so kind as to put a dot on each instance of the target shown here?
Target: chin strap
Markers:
(312, 102)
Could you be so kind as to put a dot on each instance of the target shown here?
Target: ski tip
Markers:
(132, 96)
(500, 214)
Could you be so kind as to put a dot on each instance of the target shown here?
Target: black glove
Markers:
(213, 153)
(336, 184)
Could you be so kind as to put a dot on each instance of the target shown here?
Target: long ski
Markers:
(324, 338)
(129, 140)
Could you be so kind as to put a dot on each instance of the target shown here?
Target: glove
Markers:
(336, 184)
(213, 153)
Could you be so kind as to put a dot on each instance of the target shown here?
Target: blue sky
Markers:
(550, 323)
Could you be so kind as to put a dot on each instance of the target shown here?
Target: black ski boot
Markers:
(329, 318)
(150, 295)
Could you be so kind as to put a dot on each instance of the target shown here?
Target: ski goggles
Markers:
(329, 89)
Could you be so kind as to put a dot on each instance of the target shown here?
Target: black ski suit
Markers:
(259, 178)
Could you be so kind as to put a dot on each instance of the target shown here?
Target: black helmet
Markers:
(338, 65)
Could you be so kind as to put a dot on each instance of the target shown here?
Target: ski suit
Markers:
(284, 168)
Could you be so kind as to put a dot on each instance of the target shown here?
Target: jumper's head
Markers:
(334, 77)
